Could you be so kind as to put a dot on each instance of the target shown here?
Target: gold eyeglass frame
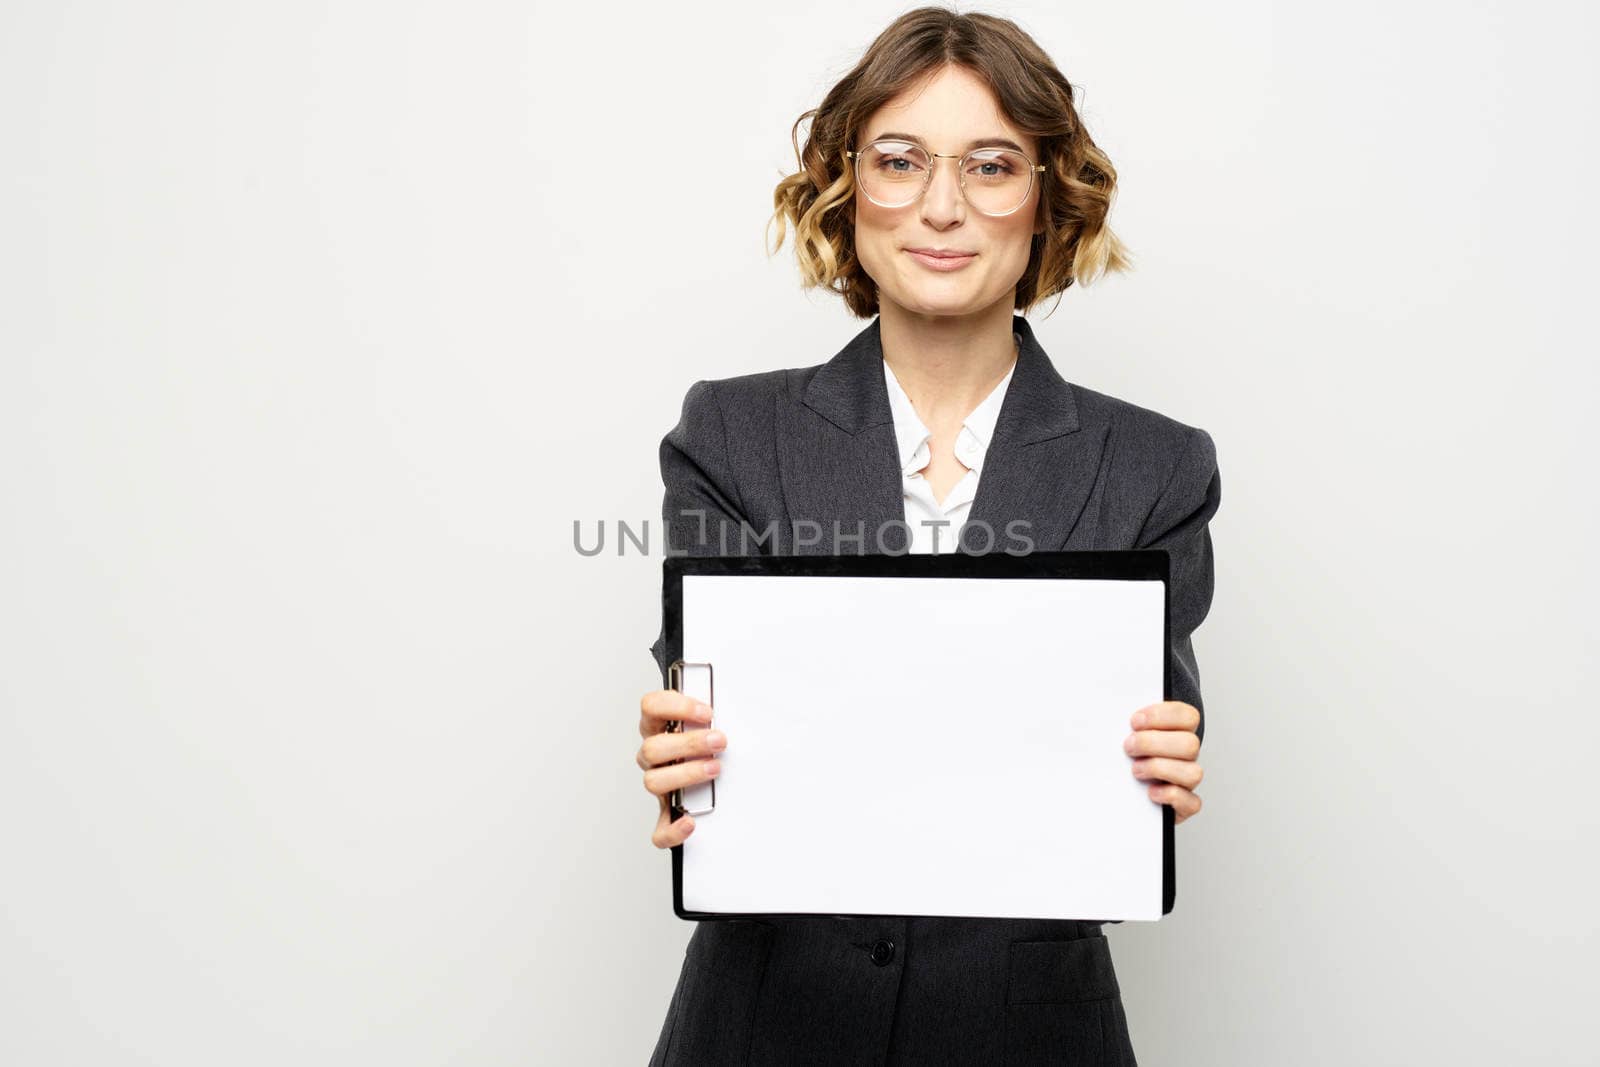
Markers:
(961, 174)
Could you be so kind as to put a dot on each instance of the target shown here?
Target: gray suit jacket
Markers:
(782, 455)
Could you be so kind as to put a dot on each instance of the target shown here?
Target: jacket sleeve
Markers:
(1179, 524)
(701, 512)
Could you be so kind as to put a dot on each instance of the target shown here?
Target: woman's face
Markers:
(947, 114)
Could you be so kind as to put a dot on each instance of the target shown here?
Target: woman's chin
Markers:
(928, 292)
(941, 299)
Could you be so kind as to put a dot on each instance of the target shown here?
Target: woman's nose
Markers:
(942, 198)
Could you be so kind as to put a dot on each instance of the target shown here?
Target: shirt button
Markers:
(883, 953)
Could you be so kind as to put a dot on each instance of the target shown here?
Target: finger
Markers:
(1178, 744)
(1184, 803)
(689, 744)
(670, 832)
(661, 706)
(1167, 715)
(669, 704)
(1186, 773)
(663, 780)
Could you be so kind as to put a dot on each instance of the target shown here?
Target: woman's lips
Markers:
(941, 262)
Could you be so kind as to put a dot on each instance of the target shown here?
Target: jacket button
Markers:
(882, 953)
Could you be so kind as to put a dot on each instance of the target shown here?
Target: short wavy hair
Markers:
(1076, 189)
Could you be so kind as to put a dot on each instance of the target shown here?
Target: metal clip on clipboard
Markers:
(689, 800)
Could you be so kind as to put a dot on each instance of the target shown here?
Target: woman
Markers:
(943, 414)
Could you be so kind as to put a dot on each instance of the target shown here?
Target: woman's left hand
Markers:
(1164, 746)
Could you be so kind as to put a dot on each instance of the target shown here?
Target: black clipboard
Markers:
(1130, 565)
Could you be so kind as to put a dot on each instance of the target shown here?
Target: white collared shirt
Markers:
(922, 512)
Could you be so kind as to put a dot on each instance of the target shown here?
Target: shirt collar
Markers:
(911, 434)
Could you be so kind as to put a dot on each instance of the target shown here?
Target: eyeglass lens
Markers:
(893, 173)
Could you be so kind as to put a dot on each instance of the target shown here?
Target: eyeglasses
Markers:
(995, 181)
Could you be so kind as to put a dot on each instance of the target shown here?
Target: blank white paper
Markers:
(927, 746)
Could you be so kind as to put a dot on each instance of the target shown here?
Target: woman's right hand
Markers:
(695, 746)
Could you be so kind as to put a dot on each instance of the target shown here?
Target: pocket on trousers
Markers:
(717, 993)
(1060, 1003)
(1060, 972)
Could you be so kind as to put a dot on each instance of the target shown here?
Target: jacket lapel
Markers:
(1042, 462)
(839, 463)
(837, 455)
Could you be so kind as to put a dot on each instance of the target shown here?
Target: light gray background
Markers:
(324, 322)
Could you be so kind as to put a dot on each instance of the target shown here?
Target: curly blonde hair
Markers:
(1075, 190)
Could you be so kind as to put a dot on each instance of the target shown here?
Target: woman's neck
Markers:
(947, 364)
